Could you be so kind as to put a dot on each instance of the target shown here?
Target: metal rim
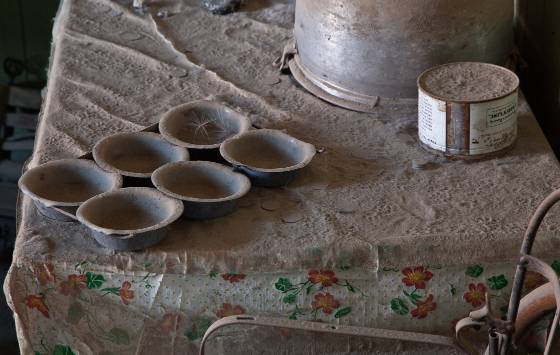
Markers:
(138, 192)
(421, 84)
(233, 115)
(307, 148)
(329, 92)
(243, 189)
(182, 154)
(114, 178)
(458, 154)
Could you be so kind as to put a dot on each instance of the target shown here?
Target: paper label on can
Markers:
(493, 125)
(432, 122)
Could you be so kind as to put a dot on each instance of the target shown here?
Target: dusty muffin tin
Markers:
(270, 158)
(246, 150)
(207, 189)
(131, 218)
(58, 187)
(136, 154)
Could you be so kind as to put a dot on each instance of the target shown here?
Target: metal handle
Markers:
(526, 248)
(534, 264)
(289, 51)
(276, 322)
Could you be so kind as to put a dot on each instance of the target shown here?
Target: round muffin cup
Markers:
(67, 182)
(207, 189)
(202, 125)
(136, 154)
(129, 211)
(269, 157)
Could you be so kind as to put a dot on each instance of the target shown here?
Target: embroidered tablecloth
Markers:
(361, 237)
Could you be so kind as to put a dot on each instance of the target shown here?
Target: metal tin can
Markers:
(468, 109)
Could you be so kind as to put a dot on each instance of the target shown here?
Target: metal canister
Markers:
(468, 109)
(348, 52)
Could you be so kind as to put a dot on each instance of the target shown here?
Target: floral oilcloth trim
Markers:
(317, 288)
(58, 297)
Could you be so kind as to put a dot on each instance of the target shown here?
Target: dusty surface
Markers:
(360, 197)
(365, 200)
(397, 213)
(469, 82)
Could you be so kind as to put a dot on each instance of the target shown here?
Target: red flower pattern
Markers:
(73, 286)
(169, 323)
(324, 277)
(38, 302)
(423, 308)
(45, 274)
(325, 302)
(126, 293)
(233, 277)
(416, 277)
(229, 310)
(476, 294)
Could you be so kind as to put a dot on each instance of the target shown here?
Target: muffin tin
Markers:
(160, 182)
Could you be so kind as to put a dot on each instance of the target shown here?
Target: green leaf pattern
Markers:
(316, 290)
(94, 280)
(343, 312)
(474, 271)
(283, 285)
(497, 282)
(399, 307)
(62, 350)
(197, 330)
(556, 266)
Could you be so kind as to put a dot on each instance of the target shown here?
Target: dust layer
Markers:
(469, 82)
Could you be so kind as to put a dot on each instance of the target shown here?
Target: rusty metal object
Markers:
(522, 313)
(454, 121)
(349, 52)
(526, 249)
(275, 322)
(527, 304)
(485, 316)
(533, 307)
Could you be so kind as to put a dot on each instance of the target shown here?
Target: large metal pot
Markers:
(351, 51)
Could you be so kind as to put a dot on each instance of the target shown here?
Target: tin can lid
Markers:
(468, 82)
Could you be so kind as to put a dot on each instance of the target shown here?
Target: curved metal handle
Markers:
(463, 325)
(536, 265)
(276, 322)
(526, 248)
